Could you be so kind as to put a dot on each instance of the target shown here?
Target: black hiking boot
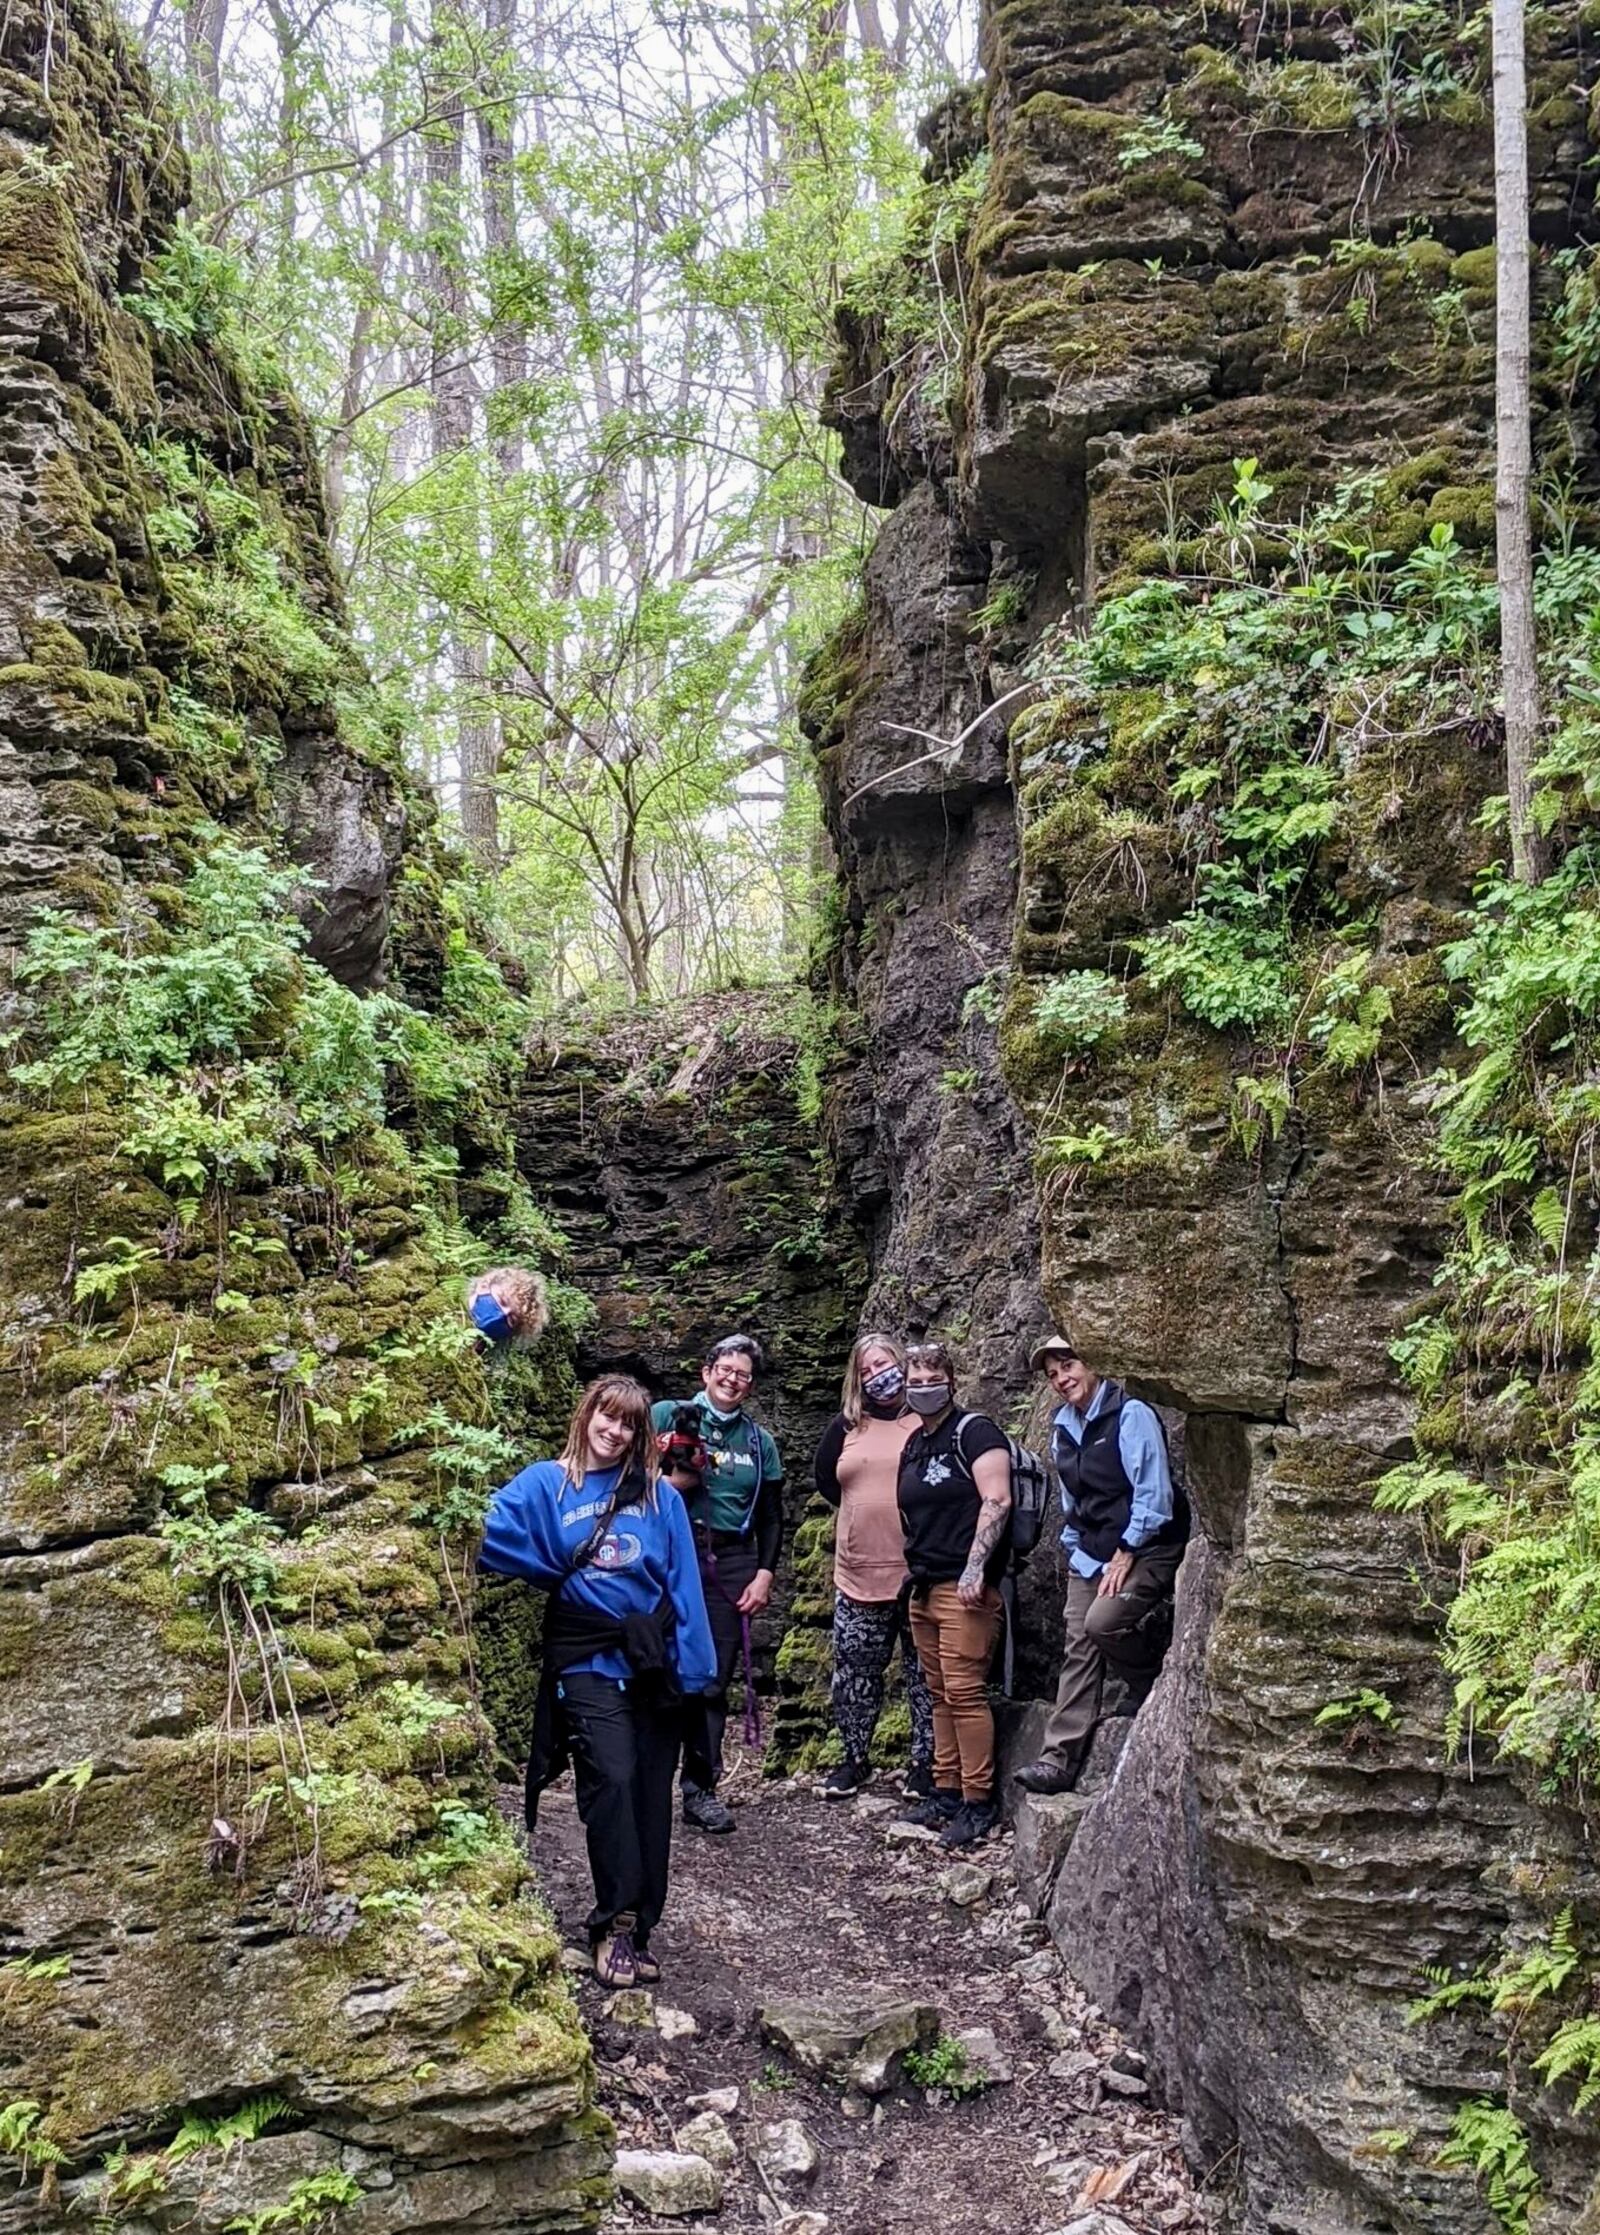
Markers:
(1048, 1777)
(704, 1812)
(933, 1813)
(844, 1780)
(972, 1821)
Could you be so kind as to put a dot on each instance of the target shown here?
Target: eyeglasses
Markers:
(739, 1374)
(925, 1354)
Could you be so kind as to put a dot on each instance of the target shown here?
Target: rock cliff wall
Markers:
(264, 1945)
(1196, 256)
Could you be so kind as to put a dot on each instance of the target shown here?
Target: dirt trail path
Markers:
(808, 1900)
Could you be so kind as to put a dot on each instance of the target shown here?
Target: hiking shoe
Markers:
(646, 1970)
(704, 1812)
(616, 1961)
(918, 1781)
(973, 1820)
(1048, 1777)
(843, 1780)
(933, 1813)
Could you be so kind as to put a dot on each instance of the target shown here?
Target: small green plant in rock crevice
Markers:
(310, 2206)
(1078, 1011)
(21, 2141)
(1358, 1715)
(945, 2068)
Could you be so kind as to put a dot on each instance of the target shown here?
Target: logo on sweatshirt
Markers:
(620, 1550)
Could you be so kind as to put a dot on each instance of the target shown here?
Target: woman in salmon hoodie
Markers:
(857, 1469)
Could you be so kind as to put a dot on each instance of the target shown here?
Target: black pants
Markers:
(623, 1757)
(727, 1568)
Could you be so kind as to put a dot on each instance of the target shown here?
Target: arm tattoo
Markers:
(993, 1514)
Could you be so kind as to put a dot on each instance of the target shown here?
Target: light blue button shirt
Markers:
(1143, 1451)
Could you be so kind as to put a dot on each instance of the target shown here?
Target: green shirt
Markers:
(727, 1502)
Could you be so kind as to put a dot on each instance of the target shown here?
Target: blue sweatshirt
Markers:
(540, 1522)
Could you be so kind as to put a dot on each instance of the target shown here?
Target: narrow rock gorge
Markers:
(1224, 290)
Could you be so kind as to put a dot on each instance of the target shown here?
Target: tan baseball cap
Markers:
(1053, 1346)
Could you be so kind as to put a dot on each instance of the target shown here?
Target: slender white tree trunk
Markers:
(1513, 437)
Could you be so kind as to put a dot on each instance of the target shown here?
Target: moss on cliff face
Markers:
(243, 1431)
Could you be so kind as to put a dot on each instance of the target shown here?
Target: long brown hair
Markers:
(621, 1395)
(850, 1397)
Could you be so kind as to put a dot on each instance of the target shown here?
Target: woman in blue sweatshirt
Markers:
(625, 1636)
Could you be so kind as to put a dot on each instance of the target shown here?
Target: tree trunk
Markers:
(1514, 440)
(453, 390)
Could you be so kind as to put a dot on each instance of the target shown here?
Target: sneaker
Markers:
(616, 1962)
(704, 1812)
(973, 1820)
(843, 1780)
(918, 1781)
(646, 1970)
(933, 1813)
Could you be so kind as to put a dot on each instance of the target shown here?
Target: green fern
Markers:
(1492, 2143)
(1547, 1214)
(246, 2124)
(310, 2205)
(1573, 2053)
(20, 2139)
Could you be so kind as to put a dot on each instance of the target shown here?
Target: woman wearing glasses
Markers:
(735, 1502)
(955, 1509)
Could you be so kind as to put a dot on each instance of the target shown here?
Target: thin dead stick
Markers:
(942, 746)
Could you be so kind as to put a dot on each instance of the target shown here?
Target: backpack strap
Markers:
(1009, 1446)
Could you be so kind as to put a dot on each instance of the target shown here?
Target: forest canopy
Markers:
(555, 281)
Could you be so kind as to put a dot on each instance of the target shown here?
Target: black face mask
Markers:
(884, 1389)
(928, 1397)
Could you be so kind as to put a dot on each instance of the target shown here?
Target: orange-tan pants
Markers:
(955, 1644)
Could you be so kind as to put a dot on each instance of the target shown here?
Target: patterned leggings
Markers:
(864, 1632)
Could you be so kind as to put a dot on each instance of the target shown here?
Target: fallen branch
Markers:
(942, 746)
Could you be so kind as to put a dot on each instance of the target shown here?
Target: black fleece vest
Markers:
(1094, 1478)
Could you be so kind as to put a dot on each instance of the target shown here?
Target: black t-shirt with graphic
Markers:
(939, 1499)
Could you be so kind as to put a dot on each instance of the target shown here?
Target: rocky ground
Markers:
(767, 2116)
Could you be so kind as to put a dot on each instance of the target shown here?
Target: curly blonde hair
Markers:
(521, 1295)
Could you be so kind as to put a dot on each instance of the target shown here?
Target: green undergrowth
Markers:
(264, 1191)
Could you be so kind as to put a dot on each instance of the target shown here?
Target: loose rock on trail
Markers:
(803, 1945)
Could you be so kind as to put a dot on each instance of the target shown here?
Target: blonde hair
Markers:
(521, 1295)
(622, 1396)
(850, 1397)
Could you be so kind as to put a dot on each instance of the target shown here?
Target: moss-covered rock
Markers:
(250, 1845)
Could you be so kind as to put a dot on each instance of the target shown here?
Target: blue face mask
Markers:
(489, 1319)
